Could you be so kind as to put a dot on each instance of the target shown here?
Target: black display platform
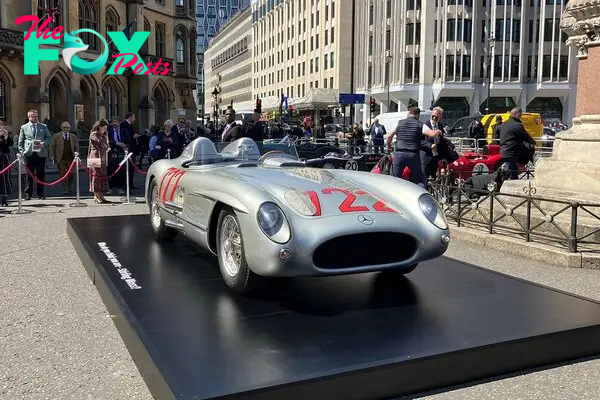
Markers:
(355, 337)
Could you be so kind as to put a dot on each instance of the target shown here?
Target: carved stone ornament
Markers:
(581, 22)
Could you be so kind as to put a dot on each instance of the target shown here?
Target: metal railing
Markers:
(555, 222)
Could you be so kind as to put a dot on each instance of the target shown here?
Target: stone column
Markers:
(573, 170)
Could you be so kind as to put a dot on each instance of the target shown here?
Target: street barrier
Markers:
(561, 223)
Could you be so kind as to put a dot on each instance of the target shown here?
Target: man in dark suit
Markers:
(514, 141)
(377, 133)
(128, 137)
(429, 151)
(232, 131)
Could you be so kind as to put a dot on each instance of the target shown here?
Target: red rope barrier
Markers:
(59, 180)
(5, 170)
(90, 173)
(139, 171)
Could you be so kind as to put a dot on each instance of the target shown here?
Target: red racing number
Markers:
(347, 204)
(163, 189)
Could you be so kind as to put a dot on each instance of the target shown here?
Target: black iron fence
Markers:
(555, 222)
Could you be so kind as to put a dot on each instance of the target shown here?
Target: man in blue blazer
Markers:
(34, 141)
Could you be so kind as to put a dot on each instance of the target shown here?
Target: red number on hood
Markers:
(314, 198)
(346, 205)
(380, 206)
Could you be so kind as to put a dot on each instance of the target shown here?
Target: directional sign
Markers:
(352, 98)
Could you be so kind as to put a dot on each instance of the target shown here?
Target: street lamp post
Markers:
(216, 94)
(388, 60)
(491, 42)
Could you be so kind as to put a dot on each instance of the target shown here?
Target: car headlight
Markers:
(273, 223)
(433, 211)
(301, 202)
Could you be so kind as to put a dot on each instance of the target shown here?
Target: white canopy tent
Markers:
(317, 99)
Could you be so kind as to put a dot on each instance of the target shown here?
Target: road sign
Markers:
(352, 98)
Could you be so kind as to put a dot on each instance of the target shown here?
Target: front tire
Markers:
(232, 256)
(161, 231)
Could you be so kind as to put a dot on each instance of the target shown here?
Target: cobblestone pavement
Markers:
(57, 341)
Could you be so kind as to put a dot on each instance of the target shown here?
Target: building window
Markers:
(180, 47)
(388, 39)
(112, 97)
(371, 14)
(371, 45)
(331, 82)
(44, 6)
(89, 19)
(466, 67)
(112, 25)
(412, 36)
(388, 9)
(159, 39)
(331, 60)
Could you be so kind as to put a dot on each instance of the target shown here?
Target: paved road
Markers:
(57, 340)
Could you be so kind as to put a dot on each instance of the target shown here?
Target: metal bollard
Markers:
(169, 154)
(128, 200)
(78, 202)
(19, 209)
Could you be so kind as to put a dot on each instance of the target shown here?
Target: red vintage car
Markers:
(470, 163)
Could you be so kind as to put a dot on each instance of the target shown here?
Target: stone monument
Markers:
(573, 170)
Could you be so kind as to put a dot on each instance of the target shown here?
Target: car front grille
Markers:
(363, 249)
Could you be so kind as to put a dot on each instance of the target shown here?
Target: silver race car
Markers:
(270, 215)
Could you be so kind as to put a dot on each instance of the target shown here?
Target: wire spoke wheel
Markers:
(231, 246)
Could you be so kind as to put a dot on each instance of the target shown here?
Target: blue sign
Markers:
(352, 98)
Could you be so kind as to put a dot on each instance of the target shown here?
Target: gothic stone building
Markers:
(60, 94)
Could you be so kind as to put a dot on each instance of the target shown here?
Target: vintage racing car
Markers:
(339, 159)
(270, 215)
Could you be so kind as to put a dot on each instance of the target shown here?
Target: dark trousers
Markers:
(513, 168)
(37, 165)
(429, 166)
(412, 160)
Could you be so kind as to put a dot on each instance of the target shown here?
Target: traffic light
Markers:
(258, 109)
(373, 105)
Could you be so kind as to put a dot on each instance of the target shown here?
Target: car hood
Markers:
(335, 188)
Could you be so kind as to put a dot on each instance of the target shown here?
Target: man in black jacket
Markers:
(513, 141)
(429, 151)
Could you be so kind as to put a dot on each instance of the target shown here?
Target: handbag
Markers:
(94, 162)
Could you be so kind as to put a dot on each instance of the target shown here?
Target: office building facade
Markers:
(437, 52)
(300, 45)
(211, 15)
(228, 66)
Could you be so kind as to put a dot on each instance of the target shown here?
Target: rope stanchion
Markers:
(128, 199)
(136, 169)
(56, 182)
(5, 170)
(19, 209)
(78, 202)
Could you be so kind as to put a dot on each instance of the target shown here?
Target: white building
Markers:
(300, 45)
(435, 54)
(228, 65)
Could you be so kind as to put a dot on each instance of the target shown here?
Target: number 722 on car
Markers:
(347, 204)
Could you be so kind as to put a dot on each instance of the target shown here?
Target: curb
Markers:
(532, 250)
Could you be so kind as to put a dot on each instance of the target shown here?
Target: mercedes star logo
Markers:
(365, 220)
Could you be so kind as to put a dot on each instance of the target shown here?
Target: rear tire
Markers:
(232, 256)
(161, 231)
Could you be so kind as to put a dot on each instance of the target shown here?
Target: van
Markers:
(390, 120)
(531, 121)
